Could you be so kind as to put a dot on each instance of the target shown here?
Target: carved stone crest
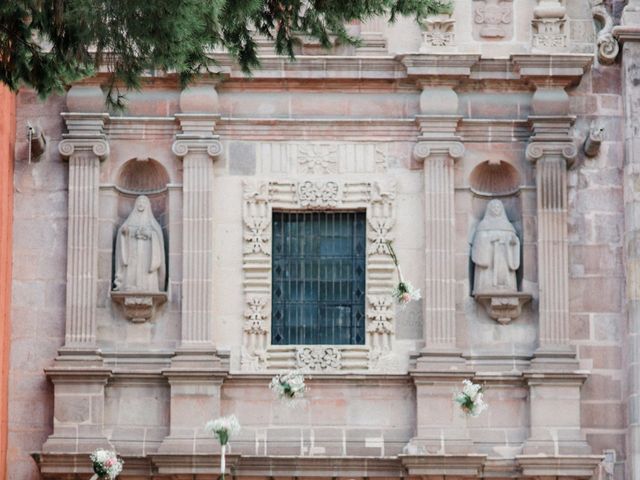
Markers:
(493, 18)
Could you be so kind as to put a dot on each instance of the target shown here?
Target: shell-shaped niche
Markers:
(146, 177)
(494, 179)
(142, 176)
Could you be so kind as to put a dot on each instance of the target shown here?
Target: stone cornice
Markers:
(627, 33)
(552, 69)
(438, 65)
(429, 67)
(444, 465)
(543, 466)
(205, 465)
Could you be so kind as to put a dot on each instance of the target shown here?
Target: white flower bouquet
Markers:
(223, 429)
(471, 399)
(106, 464)
(288, 386)
(404, 292)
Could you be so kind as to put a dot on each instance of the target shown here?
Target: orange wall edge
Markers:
(7, 147)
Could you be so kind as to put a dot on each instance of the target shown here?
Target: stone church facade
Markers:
(132, 330)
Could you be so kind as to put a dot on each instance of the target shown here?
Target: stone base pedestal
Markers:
(195, 378)
(554, 399)
(78, 418)
(441, 427)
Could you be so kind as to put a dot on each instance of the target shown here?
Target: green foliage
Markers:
(47, 44)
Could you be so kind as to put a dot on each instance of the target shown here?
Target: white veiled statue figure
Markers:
(495, 252)
(140, 255)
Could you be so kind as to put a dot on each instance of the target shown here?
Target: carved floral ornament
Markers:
(260, 199)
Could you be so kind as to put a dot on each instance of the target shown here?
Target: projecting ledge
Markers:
(204, 466)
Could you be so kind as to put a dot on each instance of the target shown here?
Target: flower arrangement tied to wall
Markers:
(223, 429)
(404, 292)
(289, 386)
(471, 399)
(106, 464)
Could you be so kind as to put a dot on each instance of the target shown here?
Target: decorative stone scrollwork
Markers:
(318, 194)
(536, 150)
(493, 18)
(99, 147)
(318, 358)
(318, 158)
(437, 31)
(607, 45)
(211, 147)
(425, 149)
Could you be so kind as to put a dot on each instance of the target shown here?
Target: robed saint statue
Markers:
(140, 254)
(495, 252)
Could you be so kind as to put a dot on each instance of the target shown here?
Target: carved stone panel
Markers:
(377, 198)
(437, 32)
(493, 19)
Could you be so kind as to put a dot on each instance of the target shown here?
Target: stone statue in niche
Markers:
(495, 253)
(140, 270)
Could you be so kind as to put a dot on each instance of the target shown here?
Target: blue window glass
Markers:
(318, 288)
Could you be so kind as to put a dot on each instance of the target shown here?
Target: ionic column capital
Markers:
(537, 150)
(183, 147)
(425, 149)
(98, 146)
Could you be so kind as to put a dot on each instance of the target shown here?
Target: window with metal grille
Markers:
(318, 278)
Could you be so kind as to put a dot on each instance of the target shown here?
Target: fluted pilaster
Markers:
(551, 159)
(84, 154)
(439, 304)
(553, 270)
(197, 284)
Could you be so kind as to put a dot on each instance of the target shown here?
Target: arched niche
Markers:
(496, 179)
(143, 176)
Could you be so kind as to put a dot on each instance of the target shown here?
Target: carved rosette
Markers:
(318, 358)
(260, 199)
(318, 194)
(318, 159)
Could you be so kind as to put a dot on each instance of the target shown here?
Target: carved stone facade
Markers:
(416, 133)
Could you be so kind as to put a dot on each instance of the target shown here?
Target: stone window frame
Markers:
(260, 198)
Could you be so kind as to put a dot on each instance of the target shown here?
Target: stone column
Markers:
(552, 151)
(439, 367)
(84, 146)
(196, 372)
(197, 235)
(554, 383)
(628, 33)
(77, 374)
(438, 147)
